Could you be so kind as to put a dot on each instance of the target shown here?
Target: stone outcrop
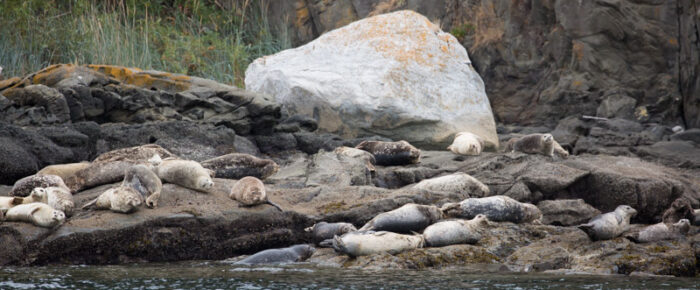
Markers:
(545, 60)
(395, 75)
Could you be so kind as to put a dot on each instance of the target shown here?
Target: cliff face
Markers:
(543, 60)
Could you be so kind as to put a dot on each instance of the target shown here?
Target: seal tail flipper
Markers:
(275, 205)
(588, 229)
(328, 243)
(89, 204)
(338, 244)
(633, 237)
(17, 200)
(367, 227)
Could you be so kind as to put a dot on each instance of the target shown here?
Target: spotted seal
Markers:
(351, 152)
(250, 191)
(451, 232)
(37, 213)
(466, 143)
(661, 231)
(679, 209)
(391, 153)
(64, 171)
(24, 186)
(323, 231)
(535, 144)
(142, 178)
(406, 219)
(122, 199)
(296, 253)
(362, 243)
(239, 165)
(458, 183)
(609, 225)
(185, 173)
(497, 208)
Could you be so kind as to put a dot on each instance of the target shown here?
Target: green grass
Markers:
(194, 37)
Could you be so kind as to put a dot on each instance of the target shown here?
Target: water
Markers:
(215, 275)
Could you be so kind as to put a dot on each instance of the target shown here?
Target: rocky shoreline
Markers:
(613, 161)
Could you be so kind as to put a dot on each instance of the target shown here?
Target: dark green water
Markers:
(215, 275)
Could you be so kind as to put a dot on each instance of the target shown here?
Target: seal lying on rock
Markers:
(391, 153)
(360, 243)
(466, 143)
(406, 219)
(323, 231)
(459, 183)
(7, 202)
(661, 231)
(239, 165)
(535, 144)
(110, 167)
(57, 197)
(680, 209)
(498, 208)
(609, 225)
(453, 232)
(24, 186)
(63, 170)
(297, 253)
(250, 191)
(122, 199)
(134, 154)
(357, 153)
(185, 173)
(37, 213)
(145, 181)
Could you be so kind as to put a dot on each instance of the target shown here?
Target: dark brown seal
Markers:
(391, 153)
(239, 165)
(680, 209)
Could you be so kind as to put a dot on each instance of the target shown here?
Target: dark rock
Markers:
(566, 212)
(550, 178)
(15, 161)
(55, 107)
(688, 135)
(400, 176)
(278, 142)
(672, 153)
(617, 106)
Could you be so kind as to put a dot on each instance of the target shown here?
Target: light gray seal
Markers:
(355, 244)
(391, 153)
(37, 213)
(535, 144)
(466, 143)
(406, 219)
(141, 178)
(239, 165)
(185, 173)
(609, 225)
(497, 208)
(458, 183)
(323, 231)
(452, 232)
(661, 231)
(134, 154)
(24, 186)
(121, 199)
(296, 253)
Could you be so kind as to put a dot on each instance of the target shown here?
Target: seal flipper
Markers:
(588, 229)
(275, 205)
(328, 243)
(17, 200)
(633, 237)
(94, 201)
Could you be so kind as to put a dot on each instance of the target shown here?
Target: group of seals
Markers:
(24, 186)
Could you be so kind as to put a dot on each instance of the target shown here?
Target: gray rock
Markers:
(550, 178)
(566, 212)
(617, 106)
(332, 169)
(688, 135)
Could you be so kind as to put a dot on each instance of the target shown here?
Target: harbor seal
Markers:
(239, 165)
(369, 159)
(497, 208)
(64, 170)
(466, 143)
(37, 213)
(185, 173)
(661, 231)
(323, 231)
(134, 154)
(58, 198)
(391, 153)
(122, 199)
(24, 186)
(109, 169)
(609, 225)
(250, 191)
(141, 178)
(458, 183)
(452, 232)
(296, 253)
(355, 244)
(406, 219)
(535, 144)
(680, 209)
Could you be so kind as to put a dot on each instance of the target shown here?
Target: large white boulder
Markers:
(395, 75)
